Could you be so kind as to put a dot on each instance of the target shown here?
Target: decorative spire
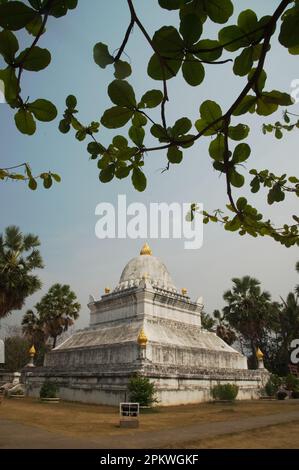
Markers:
(32, 351)
(146, 251)
(107, 290)
(184, 291)
(259, 354)
(142, 338)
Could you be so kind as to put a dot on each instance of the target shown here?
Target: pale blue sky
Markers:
(64, 216)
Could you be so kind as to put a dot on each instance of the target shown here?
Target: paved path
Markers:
(14, 435)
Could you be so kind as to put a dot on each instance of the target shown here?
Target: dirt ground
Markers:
(282, 436)
(93, 421)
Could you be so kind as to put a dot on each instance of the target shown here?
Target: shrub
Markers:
(281, 395)
(295, 393)
(48, 390)
(273, 385)
(142, 391)
(291, 382)
(225, 392)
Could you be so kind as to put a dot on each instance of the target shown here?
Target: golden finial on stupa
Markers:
(32, 351)
(259, 354)
(142, 338)
(107, 290)
(146, 251)
(184, 291)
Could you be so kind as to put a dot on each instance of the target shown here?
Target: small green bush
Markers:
(225, 392)
(48, 390)
(291, 382)
(142, 391)
(273, 385)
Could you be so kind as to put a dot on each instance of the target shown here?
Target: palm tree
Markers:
(57, 311)
(248, 311)
(19, 256)
(33, 328)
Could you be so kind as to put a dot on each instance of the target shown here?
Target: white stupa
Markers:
(145, 326)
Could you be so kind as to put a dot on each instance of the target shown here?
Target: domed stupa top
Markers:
(145, 266)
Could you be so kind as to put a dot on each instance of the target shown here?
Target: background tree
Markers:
(172, 50)
(19, 257)
(207, 322)
(57, 311)
(248, 312)
(16, 353)
(33, 331)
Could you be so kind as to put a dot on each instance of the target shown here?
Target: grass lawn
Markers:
(92, 421)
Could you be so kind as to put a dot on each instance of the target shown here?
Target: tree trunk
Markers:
(54, 342)
(253, 350)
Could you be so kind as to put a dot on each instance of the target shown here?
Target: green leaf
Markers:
(43, 110)
(32, 184)
(277, 97)
(122, 172)
(137, 135)
(25, 122)
(48, 182)
(139, 120)
(34, 59)
(64, 126)
(152, 98)
(235, 178)
(210, 111)
(11, 90)
(159, 132)
(15, 15)
(204, 47)
(247, 104)
(238, 132)
(190, 29)
(34, 27)
(71, 102)
(193, 70)
(174, 155)
(122, 94)
(56, 177)
(229, 38)
(241, 153)
(139, 180)
(107, 174)
(247, 21)
(244, 62)
(219, 11)
(169, 69)
(181, 127)
(120, 142)
(116, 117)
(122, 69)
(9, 45)
(289, 32)
(217, 148)
(264, 107)
(101, 55)
(94, 148)
(241, 203)
(168, 41)
(171, 4)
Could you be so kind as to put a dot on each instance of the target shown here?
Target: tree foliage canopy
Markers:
(172, 50)
(19, 257)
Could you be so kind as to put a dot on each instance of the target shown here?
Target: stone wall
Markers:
(110, 388)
